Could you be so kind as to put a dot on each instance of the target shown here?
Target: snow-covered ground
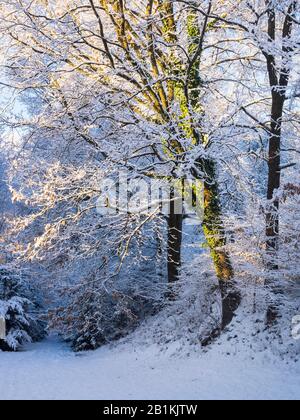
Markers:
(50, 370)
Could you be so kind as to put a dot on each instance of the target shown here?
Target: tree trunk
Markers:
(272, 215)
(212, 222)
(174, 241)
(215, 236)
(279, 82)
(274, 177)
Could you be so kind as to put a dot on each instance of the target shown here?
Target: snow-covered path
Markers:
(49, 370)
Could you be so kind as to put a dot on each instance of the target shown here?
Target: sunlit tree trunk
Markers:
(215, 236)
(213, 225)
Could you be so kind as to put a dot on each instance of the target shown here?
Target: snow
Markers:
(51, 371)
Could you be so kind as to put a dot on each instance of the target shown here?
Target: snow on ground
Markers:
(50, 370)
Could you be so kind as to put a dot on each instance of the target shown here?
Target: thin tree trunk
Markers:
(272, 215)
(274, 177)
(174, 241)
(279, 82)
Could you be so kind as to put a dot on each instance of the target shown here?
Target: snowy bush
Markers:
(18, 311)
(96, 317)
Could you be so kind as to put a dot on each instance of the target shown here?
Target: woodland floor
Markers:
(50, 370)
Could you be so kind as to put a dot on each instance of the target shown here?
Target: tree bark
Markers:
(272, 214)
(274, 178)
(212, 223)
(279, 82)
(215, 236)
(175, 222)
